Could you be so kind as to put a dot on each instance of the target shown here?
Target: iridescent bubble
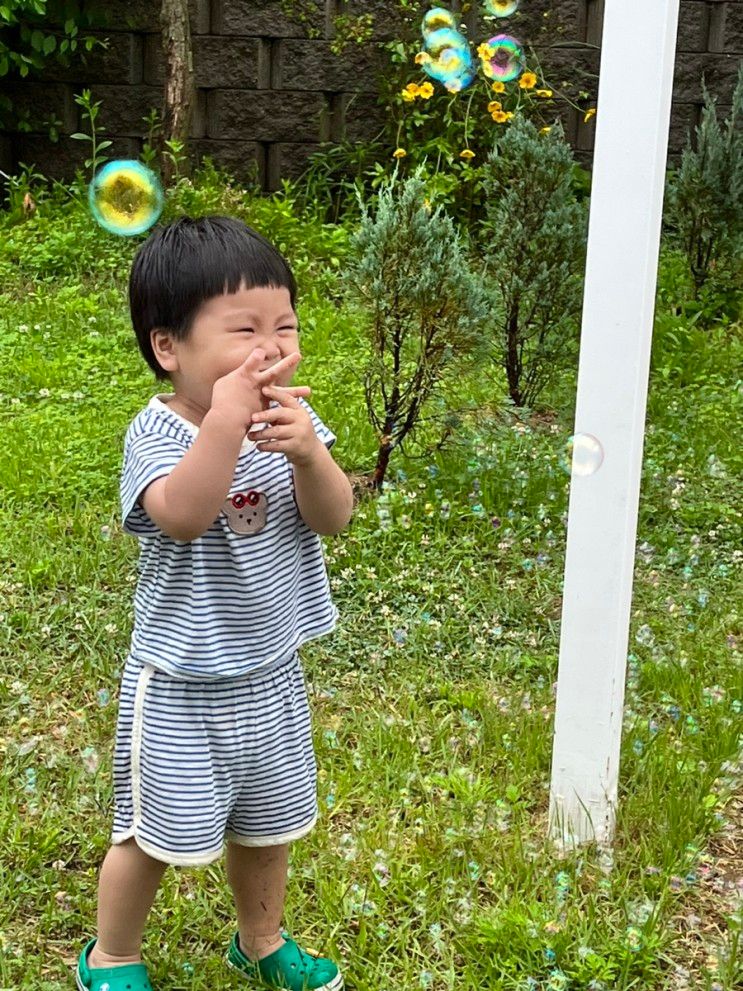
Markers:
(125, 197)
(437, 18)
(438, 41)
(502, 8)
(504, 59)
(453, 66)
(584, 455)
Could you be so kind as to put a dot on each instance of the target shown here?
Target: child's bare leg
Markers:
(257, 876)
(127, 886)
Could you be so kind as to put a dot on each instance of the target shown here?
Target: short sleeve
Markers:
(324, 433)
(148, 455)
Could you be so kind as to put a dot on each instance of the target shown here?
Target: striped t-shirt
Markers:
(249, 590)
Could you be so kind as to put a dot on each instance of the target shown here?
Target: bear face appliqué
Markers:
(246, 511)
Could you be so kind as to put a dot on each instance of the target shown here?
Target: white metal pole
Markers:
(637, 56)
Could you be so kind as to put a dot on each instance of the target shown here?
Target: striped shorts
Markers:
(197, 763)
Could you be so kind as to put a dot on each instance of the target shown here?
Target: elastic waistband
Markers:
(257, 674)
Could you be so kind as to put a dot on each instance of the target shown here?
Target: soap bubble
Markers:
(502, 8)
(125, 197)
(438, 41)
(437, 18)
(584, 455)
(450, 60)
(505, 59)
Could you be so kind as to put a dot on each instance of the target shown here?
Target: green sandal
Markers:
(129, 977)
(287, 969)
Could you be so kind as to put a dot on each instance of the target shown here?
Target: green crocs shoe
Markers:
(129, 977)
(288, 969)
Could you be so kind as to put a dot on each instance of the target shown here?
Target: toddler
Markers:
(227, 482)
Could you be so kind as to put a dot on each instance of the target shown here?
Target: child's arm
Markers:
(186, 502)
(323, 493)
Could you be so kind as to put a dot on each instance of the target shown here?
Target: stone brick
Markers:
(693, 27)
(564, 22)
(37, 102)
(265, 116)
(361, 118)
(124, 107)
(594, 22)
(233, 62)
(246, 160)
(389, 22)
(576, 68)
(684, 118)
(287, 161)
(312, 65)
(720, 72)
(144, 15)
(733, 28)
(63, 158)
(260, 18)
(119, 62)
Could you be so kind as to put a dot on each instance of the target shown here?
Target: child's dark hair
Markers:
(189, 261)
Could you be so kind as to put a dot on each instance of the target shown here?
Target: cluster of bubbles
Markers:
(447, 56)
(125, 197)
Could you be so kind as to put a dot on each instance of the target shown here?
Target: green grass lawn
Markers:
(433, 702)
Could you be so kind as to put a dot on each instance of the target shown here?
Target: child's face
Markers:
(225, 331)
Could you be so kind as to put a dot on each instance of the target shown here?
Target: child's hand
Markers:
(289, 431)
(237, 395)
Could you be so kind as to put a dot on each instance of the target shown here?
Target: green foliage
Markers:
(705, 198)
(533, 243)
(90, 114)
(30, 39)
(433, 702)
(420, 301)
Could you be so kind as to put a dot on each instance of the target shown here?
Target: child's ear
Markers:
(162, 345)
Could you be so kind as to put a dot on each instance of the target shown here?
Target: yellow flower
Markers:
(399, 153)
(485, 51)
(467, 154)
(589, 113)
(528, 81)
(498, 87)
(544, 92)
(494, 105)
(509, 115)
(422, 58)
(425, 91)
(407, 97)
(499, 117)
(545, 130)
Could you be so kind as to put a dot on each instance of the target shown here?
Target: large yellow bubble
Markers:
(125, 197)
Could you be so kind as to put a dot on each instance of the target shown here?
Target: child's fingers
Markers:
(283, 396)
(272, 434)
(254, 360)
(287, 364)
(276, 414)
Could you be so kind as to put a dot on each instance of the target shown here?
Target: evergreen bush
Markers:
(533, 243)
(422, 305)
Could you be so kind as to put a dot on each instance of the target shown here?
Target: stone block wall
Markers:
(268, 95)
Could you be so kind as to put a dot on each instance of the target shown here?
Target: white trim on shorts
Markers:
(157, 853)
